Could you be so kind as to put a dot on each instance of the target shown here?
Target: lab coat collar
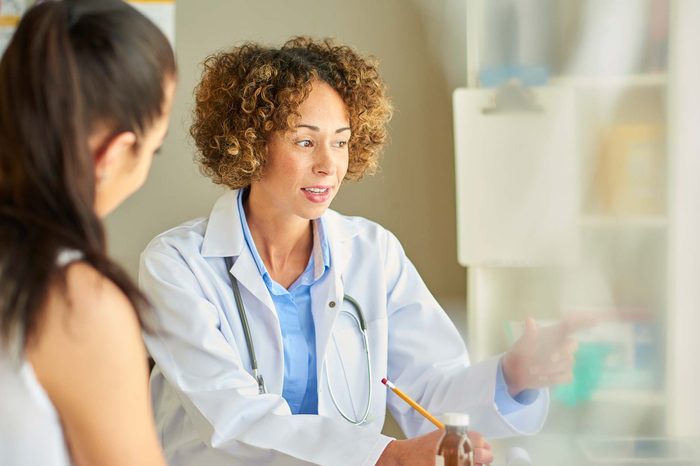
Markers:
(340, 228)
(224, 236)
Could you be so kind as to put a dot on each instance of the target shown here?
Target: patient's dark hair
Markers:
(71, 68)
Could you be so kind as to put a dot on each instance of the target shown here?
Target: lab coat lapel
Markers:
(327, 299)
(262, 319)
(246, 272)
(224, 238)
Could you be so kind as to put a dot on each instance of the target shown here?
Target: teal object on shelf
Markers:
(588, 372)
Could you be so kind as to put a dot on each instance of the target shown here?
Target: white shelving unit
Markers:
(635, 253)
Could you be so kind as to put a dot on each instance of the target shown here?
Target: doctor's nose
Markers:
(324, 163)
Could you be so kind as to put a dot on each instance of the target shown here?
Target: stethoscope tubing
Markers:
(359, 319)
(262, 389)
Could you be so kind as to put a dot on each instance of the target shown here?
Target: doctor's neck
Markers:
(283, 241)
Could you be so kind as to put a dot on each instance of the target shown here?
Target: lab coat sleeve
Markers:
(219, 396)
(428, 360)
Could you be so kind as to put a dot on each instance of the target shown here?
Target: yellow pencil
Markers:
(413, 404)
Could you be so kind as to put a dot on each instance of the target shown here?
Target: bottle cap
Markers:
(456, 419)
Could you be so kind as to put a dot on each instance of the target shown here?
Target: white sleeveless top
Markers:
(30, 429)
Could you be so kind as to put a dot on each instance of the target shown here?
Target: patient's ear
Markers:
(110, 156)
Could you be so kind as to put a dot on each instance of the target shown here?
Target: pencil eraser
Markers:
(384, 380)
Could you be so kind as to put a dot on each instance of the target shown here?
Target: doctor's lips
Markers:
(318, 194)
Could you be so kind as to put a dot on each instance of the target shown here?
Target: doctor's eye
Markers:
(304, 143)
(341, 144)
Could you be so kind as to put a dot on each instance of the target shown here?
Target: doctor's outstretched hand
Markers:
(421, 451)
(543, 356)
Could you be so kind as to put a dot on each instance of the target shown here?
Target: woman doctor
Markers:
(283, 128)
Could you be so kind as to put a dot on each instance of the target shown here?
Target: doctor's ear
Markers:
(109, 156)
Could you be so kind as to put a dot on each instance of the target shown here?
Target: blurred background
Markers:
(577, 156)
(545, 161)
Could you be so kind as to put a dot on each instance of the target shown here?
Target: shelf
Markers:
(617, 222)
(620, 396)
(638, 80)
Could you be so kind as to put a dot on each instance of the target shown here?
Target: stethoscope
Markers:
(359, 319)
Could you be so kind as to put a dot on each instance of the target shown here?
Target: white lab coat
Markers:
(206, 403)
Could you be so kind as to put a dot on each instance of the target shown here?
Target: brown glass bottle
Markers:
(455, 449)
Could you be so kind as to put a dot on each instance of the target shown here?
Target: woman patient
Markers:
(85, 93)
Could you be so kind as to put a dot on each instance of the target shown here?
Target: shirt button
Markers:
(331, 304)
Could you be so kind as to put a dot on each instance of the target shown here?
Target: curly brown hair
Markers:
(251, 91)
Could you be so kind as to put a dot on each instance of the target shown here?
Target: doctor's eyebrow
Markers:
(316, 128)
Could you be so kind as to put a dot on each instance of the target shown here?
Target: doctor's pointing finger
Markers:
(544, 356)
